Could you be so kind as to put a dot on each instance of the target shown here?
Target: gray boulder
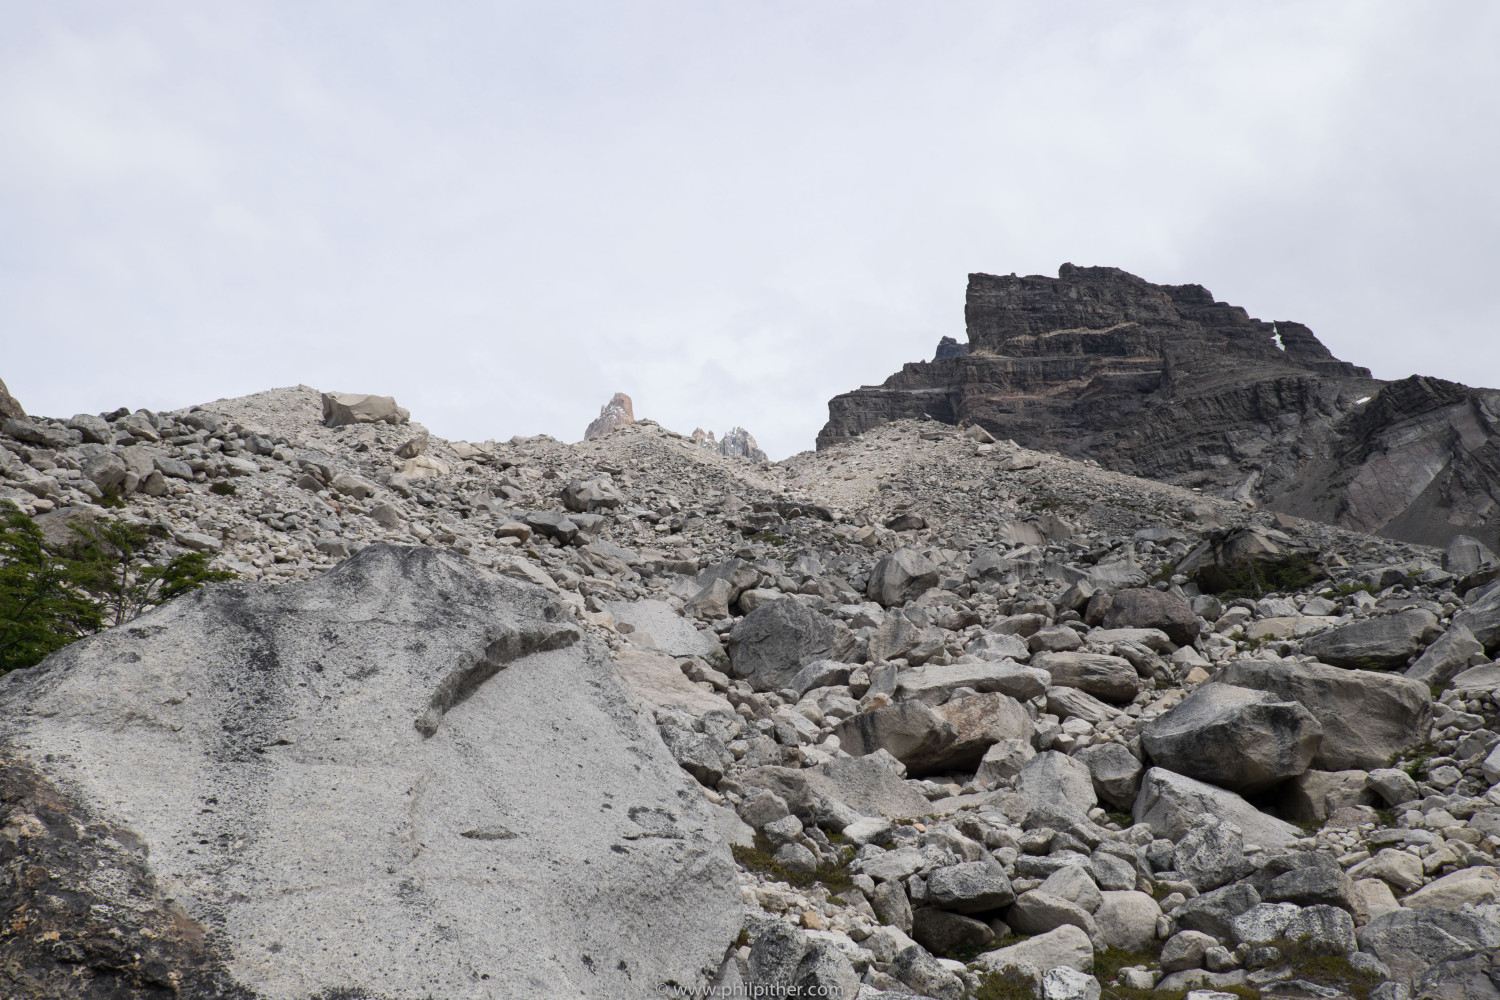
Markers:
(893, 907)
(343, 408)
(786, 962)
(1111, 678)
(95, 429)
(670, 632)
(1482, 617)
(1115, 771)
(739, 575)
(942, 932)
(1446, 658)
(1470, 560)
(1305, 878)
(771, 644)
(1127, 919)
(105, 470)
(1382, 643)
(910, 731)
(843, 789)
(1214, 912)
(1234, 737)
(1054, 784)
(934, 683)
(1234, 558)
(1367, 717)
(893, 637)
(588, 496)
(1067, 946)
(917, 969)
(37, 434)
(1173, 804)
(350, 801)
(1410, 942)
(1313, 796)
(900, 576)
(1037, 912)
(971, 887)
(1393, 785)
(1212, 853)
(979, 722)
(1146, 608)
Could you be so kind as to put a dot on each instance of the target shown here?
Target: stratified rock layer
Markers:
(405, 777)
(1163, 381)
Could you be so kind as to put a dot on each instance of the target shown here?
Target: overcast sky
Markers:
(503, 213)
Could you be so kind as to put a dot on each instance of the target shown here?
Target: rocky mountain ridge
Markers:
(1168, 383)
(923, 713)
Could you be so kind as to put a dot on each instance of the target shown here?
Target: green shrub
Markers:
(41, 609)
(52, 595)
(759, 859)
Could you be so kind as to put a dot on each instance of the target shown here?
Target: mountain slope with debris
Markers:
(971, 717)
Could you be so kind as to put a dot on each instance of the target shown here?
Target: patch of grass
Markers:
(769, 537)
(1163, 573)
(1416, 760)
(223, 488)
(111, 497)
(1121, 819)
(1347, 589)
(1126, 993)
(1327, 970)
(1109, 962)
(1007, 985)
(760, 859)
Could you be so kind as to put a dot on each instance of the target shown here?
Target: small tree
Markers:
(41, 609)
(51, 596)
(113, 567)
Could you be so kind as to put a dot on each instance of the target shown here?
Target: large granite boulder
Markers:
(1115, 770)
(1056, 787)
(1411, 942)
(1234, 737)
(1367, 717)
(343, 408)
(1446, 658)
(840, 791)
(1382, 643)
(770, 645)
(1472, 561)
(1111, 678)
(1145, 608)
(1173, 804)
(1482, 617)
(912, 732)
(900, 576)
(934, 683)
(309, 790)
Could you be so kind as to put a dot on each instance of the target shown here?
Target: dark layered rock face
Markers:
(1165, 382)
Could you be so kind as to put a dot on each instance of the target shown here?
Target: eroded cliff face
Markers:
(1164, 381)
